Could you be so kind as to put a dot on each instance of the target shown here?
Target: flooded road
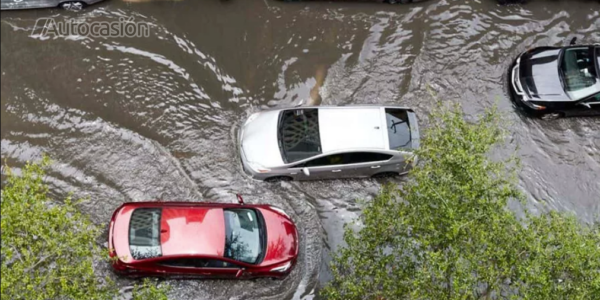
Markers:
(131, 119)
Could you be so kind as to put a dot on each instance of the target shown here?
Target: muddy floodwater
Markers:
(155, 117)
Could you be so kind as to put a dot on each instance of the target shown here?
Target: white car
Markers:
(306, 143)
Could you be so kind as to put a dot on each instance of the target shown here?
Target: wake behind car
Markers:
(323, 142)
(30, 4)
(557, 81)
(202, 240)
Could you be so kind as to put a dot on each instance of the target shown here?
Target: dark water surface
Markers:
(131, 119)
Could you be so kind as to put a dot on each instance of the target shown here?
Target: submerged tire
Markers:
(551, 116)
(399, 1)
(385, 175)
(72, 5)
(505, 2)
(279, 179)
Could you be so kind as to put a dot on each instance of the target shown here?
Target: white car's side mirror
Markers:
(306, 171)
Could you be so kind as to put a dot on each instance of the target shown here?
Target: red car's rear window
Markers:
(144, 233)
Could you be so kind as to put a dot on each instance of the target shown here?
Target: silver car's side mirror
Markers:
(306, 171)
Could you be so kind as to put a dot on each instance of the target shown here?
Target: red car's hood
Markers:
(282, 238)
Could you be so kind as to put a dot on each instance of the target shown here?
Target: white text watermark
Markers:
(52, 28)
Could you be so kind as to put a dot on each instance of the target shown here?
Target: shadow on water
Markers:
(131, 119)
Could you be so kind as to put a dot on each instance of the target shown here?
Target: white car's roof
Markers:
(352, 128)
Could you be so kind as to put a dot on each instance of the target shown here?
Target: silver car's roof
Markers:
(352, 128)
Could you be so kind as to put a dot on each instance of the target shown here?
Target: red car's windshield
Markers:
(243, 240)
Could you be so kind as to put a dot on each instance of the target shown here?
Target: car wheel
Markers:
(279, 179)
(72, 5)
(385, 175)
(551, 116)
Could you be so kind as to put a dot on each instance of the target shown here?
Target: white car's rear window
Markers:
(398, 128)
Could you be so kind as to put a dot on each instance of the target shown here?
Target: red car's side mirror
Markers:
(239, 273)
(240, 199)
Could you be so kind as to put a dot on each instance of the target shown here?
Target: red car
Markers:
(202, 240)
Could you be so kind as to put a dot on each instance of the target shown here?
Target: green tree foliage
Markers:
(447, 233)
(49, 248)
(149, 290)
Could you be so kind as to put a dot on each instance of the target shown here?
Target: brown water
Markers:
(130, 119)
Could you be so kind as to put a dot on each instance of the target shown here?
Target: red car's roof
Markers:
(183, 230)
(194, 230)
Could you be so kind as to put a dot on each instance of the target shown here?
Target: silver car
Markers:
(307, 143)
(29, 4)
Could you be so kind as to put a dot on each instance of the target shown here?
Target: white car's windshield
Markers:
(298, 134)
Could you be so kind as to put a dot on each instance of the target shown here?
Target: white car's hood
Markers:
(259, 140)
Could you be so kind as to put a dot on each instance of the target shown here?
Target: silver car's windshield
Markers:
(298, 134)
